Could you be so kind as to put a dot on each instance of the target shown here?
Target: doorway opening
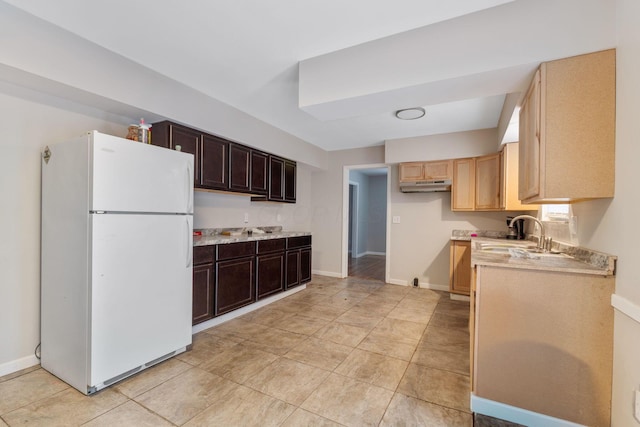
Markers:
(365, 230)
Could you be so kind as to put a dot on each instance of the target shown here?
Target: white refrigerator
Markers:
(116, 258)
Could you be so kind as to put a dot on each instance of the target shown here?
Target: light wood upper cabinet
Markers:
(423, 171)
(488, 183)
(509, 195)
(567, 130)
(463, 188)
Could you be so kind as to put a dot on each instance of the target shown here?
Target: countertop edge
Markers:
(221, 240)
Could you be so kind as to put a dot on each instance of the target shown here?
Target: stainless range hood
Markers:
(431, 186)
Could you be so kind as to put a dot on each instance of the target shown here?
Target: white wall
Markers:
(326, 206)
(610, 225)
(438, 147)
(215, 210)
(28, 122)
(419, 245)
(377, 237)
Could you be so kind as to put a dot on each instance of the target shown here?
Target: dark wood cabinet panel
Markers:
(305, 265)
(269, 274)
(215, 159)
(290, 172)
(203, 254)
(235, 250)
(203, 295)
(276, 178)
(239, 168)
(292, 277)
(235, 284)
(271, 245)
(259, 173)
(228, 166)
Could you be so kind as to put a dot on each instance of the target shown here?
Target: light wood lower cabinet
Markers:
(543, 342)
(460, 267)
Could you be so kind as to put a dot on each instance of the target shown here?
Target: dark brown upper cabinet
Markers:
(290, 181)
(174, 136)
(215, 160)
(259, 173)
(239, 168)
(276, 179)
(228, 166)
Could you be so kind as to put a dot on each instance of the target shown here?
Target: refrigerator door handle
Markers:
(188, 190)
(188, 243)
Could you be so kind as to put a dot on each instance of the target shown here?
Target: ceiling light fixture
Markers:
(410, 113)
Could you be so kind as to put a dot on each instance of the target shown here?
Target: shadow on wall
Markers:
(437, 273)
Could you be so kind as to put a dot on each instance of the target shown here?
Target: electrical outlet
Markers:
(278, 218)
(636, 405)
(396, 220)
(246, 217)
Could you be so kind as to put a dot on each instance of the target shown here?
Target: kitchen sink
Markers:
(516, 250)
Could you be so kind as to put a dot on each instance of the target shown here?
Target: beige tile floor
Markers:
(352, 352)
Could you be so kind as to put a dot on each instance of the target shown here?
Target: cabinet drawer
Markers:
(203, 254)
(272, 245)
(235, 250)
(298, 242)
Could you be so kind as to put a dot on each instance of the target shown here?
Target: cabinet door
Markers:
(259, 172)
(460, 267)
(239, 167)
(202, 293)
(411, 171)
(293, 269)
(438, 170)
(215, 158)
(529, 165)
(305, 265)
(290, 181)
(189, 142)
(488, 182)
(235, 284)
(276, 178)
(509, 178)
(270, 274)
(463, 189)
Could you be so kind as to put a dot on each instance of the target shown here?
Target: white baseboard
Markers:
(244, 310)
(515, 414)
(458, 297)
(327, 273)
(18, 364)
(626, 307)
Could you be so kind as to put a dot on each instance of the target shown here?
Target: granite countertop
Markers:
(214, 236)
(572, 259)
(466, 235)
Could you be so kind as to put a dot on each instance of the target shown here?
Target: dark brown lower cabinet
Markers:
(235, 284)
(203, 284)
(298, 261)
(270, 274)
(202, 293)
(229, 276)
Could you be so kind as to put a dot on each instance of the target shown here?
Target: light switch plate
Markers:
(396, 220)
(636, 405)
(246, 217)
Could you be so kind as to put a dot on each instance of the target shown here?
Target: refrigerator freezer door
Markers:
(134, 177)
(141, 290)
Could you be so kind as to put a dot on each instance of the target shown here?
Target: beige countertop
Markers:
(570, 260)
(217, 239)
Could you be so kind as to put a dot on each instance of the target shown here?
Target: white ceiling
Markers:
(246, 53)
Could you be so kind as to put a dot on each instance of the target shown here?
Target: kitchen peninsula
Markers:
(541, 333)
(238, 270)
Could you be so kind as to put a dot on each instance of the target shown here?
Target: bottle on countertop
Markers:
(144, 132)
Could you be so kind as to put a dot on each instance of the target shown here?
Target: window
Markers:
(555, 213)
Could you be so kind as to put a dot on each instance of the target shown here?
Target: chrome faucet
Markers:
(541, 239)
